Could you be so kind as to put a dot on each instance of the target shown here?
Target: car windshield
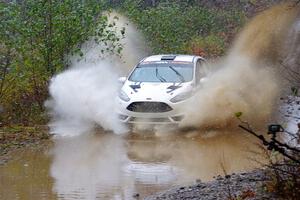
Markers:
(173, 72)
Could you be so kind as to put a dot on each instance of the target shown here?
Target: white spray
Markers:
(84, 95)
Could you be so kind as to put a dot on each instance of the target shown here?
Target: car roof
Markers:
(173, 57)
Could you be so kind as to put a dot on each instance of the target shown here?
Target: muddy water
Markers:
(108, 166)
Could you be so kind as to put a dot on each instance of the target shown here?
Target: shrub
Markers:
(36, 38)
(172, 27)
(209, 46)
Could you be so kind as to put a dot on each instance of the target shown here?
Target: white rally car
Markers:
(158, 88)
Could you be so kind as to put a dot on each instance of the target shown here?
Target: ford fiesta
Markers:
(158, 88)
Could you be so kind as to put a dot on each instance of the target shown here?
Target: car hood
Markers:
(145, 91)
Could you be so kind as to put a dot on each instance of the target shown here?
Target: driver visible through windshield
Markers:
(170, 72)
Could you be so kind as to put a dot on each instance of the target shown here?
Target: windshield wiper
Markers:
(178, 74)
(159, 76)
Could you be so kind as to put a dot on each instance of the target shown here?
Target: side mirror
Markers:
(203, 80)
(122, 79)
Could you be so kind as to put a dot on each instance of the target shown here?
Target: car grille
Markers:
(149, 107)
(139, 119)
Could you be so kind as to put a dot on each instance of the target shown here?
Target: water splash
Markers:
(249, 79)
(83, 96)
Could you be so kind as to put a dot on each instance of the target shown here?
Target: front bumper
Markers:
(174, 116)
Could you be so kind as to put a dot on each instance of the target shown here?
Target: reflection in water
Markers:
(108, 166)
(98, 167)
(115, 167)
(86, 165)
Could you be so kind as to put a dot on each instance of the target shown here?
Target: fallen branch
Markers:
(274, 144)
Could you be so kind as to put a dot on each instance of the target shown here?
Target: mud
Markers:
(108, 166)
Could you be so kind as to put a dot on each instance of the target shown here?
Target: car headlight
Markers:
(123, 96)
(181, 97)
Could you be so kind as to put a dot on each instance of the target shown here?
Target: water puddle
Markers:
(108, 166)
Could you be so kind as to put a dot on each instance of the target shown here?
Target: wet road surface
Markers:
(108, 166)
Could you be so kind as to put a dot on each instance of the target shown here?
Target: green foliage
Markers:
(294, 91)
(171, 27)
(36, 38)
(238, 114)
